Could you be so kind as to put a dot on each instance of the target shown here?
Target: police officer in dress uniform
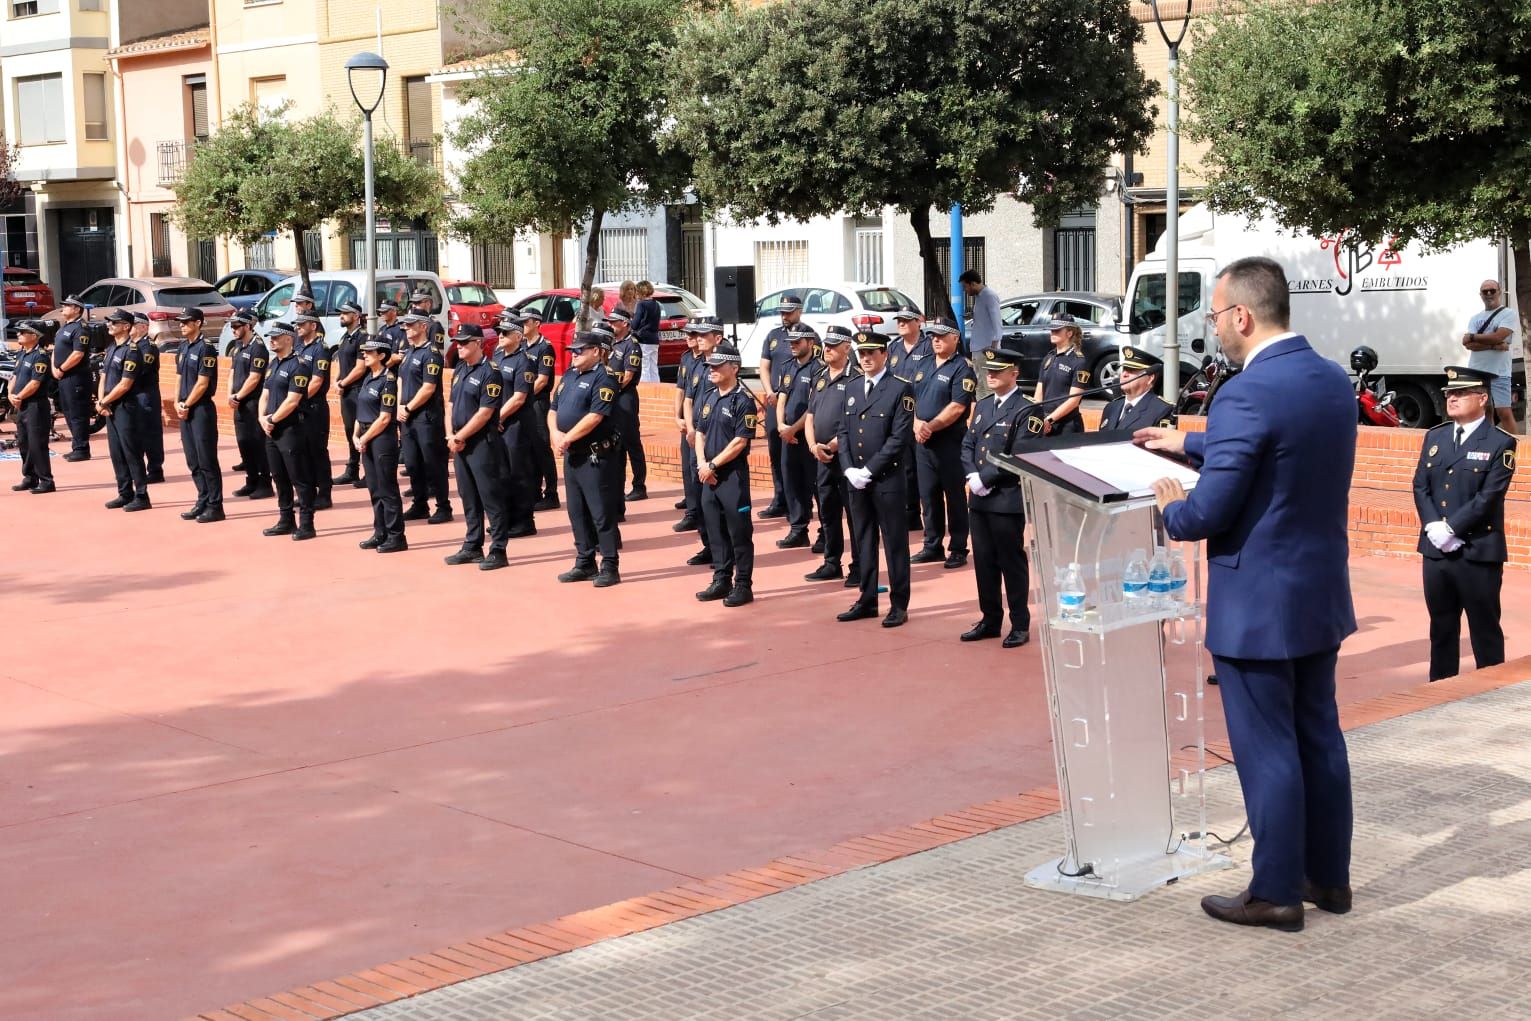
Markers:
(474, 441)
(1063, 378)
(579, 422)
(879, 416)
(997, 515)
(628, 363)
(376, 437)
(390, 329)
(420, 303)
(123, 373)
(905, 354)
(708, 333)
(196, 364)
(29, 398)
(793, 388)
(725, 426)
(349, 373)
(615, 490)
(421, 414)
(286, 444)
(246, 379)
(149, 397)
(821, 432)
(314, 357)
(543, 360)
(1464, 471)
(71, 368)
(1138, 407)
(944, 388)
(775, 355)
(690, 501)
(517, 377)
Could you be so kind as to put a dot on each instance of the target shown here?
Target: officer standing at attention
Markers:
(879, 416)
(420, 303)
(516, 377)
(376, 436)
(944, 388)
(1464, 472)
(628, 359)
(690, 498)
(71, 367)
(390, 329)
(29, 398)
(349, 373)
(821, 432)
(474, 441)
(905, 356)
(122, 374)
(246, 379)
(315, 364)
(286, 443)
(149, 397)
(579, 422)
(725, 427)
(1064, 378)
(196, 364)
(601, 330)
(997, 514)
(540, 353)
(708, 333)
(421, 415)
(793, 388)
(1138, 407)
(775, 355)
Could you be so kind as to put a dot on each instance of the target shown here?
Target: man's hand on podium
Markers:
(1168, 491)
(1171, 441)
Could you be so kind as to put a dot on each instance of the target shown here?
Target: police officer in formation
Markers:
(376, 437)
(793, 388)
(390, 329)
(474, 440)
(71, 368)
(123, 374)
(708, 333)
(314, 360)
(725, 427)
(996, 514)
(579, 422)
(420, 304)
(944, 388)
(601, 330)
(690, 500)
(196, 366)
(1464, 471)
(149, 397)
(286, 443)
(349, 373)
(905, 354)
(627, 361)
(34, 416)
(775, 355)
(421, 414)
(246, 379)
(543, 360)
(517, 377)
(879, 418)
(1063, 378)
(821, 434)
(1138, 407)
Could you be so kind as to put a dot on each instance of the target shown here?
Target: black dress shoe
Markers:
(155, 478)
(75, 455)
(928, 555)
(699, 559)
(493, 561)
(795, 539)
(323, 503)
(244, 490)
(263, 493)
(1333, 899)
(717, 590)
(607, 577)
(238, 467)
(441, 517)
(978, 632)
(853, 578)
(680, 504)
(465, 556)
(419, 512)
(210, 515)
(739, 595)
(398, 545)
(138, 503)
(522, 532)
(1016, 638)
(824, 572)
(304, 533)
(372, 542)
(859, 611)
(955, 561)
(773, 510)
(359, 484)
(280, 528)
(44, 487)
(577, 574)
(345, 478)
(1246, 910)
(895, 618)
(194, 513)
(685, 524)
(23, 485)
(116, 504)
(546, 503)
(637, 493)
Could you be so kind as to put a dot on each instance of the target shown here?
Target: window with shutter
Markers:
(200, 128)
(95, 106)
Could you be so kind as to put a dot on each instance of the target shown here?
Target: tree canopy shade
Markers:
(1408, 119)
(815, 107)
(567, 127)
(260, 173)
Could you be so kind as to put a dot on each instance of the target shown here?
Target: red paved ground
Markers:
(233, 765)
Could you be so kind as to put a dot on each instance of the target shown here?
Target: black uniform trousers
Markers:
(521, 489)
(32, 426)
(627, 419)
(912, 503)
(348, 420)
(943, 489)
(153, 426)
(1454, 585)
(594, 523)
(1074, 423)
(481, 486)
(773, 449)
(542, 449)
(615, 462)
(425, 457)
(797, 483)
(124, 440)
(881, 509)
(999, 559)
(316, 426)
(199, 441)
(75, 405)
(730, 529)
(252, 442)
(291, 473)
(381, 461)
(834, 510)
(693, 488)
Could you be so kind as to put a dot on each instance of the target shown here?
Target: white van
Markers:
(332, 288)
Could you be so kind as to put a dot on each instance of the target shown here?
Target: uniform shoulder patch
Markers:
(908, 403)
(606, 393)
(1509, 459)
(1034, 424)
(300, 381)
(969, 385)
(1082, 376)
(432, 369)
(530, 376)
(493, 389)
(1165, 423)
(749, 420)
(547, 360)
(210, 361)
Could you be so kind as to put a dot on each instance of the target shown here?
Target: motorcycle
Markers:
(1197, 392)
(1374, 404)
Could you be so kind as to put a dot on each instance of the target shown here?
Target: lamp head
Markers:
(367, 73)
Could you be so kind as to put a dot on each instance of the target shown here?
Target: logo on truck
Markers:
(1352, 259)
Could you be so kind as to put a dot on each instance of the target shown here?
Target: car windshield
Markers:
(22, 278)
(471, 294)
(883, 299)
(187, 297)
(672, 308)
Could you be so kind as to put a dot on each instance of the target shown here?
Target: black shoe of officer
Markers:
(608, 576)
(493, 561)
(858, 611)
(895, 618)
(75, 455)
(685, 524)
(44, 487)
(194, 513)
(359, 484)
(680, 504)
(739, 595)
(521, 532)
(1016, 638)
(323, 502)
(928, 555)
(305, 530)
(398, 545)
(719, 589)
(138, 503)
(795, 539)
(699, 558)
(24, 484)
(418, 512)
(371, 542)
(818, 544)
(345, 478)
(637, 493)
(824, 572)
(238, 467)
(576, 573)
(546, 503)
(244, 490)
(955, 561)
(441, 517)
(465, 556)
(155, 478)
(282, 527)
(116, 504)
(978, 632)
(210, 515)
(264, 492)
(775, 509)
(853, 577)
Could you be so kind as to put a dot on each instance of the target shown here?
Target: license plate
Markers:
(22, 295)
(671, 335)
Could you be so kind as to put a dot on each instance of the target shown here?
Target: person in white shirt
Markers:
(1490, 338)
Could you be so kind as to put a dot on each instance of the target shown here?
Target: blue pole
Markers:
(957, 268)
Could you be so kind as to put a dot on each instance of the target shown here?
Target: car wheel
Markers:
(1107, 370)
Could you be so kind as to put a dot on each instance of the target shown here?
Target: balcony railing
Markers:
(424, 151)
(174, 158)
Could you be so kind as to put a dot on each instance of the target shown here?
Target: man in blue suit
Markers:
(1272, 504)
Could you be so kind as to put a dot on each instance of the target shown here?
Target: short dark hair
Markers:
(1259, 284)
(970, 276)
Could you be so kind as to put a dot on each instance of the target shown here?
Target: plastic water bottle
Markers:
(1071, 593)
(1159, 579)
(1177, 576)
(1135, 579)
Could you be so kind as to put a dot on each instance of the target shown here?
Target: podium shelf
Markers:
(1096, 623)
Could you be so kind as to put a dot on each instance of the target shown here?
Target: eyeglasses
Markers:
(1489, 290)
(1212, 316)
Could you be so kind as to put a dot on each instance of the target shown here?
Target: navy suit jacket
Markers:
(1273, 505)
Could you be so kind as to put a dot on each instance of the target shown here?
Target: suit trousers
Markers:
(32, 427)
(693, 489)
(74, 404)
(912, 501)
(424, 449)
(124, 440)
(773, 450)
(943, 490)
(316, 426)
(834, 512)
(199, 441)
(521, 490)
(542, 450)
(594, 524)
(630, 429)
(252, 443)
(381, 464)
(287, 454)
(797, 483)
(481, 487)
(730, 528)
(1284, 728)
(348, 422)
(999, 562)
(880, 510)
(154, 434)
(1454, 585)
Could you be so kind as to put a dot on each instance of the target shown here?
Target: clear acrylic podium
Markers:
(1124, 687)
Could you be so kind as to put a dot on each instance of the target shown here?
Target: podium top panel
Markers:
(1118, 472)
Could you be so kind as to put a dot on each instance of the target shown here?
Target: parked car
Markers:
(857, 306)
(560, 307)
(694, 305)
(161, 299)
(25, 296)
(1023, 327)
(332, 288)
(474, 303)
(244, 287)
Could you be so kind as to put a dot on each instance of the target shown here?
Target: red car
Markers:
(473, 303)
(26, 296)
(560, 307)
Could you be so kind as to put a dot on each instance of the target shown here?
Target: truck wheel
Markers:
(1419, 406)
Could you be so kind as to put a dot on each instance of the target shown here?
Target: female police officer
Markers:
(376, 438)
(1064, 378)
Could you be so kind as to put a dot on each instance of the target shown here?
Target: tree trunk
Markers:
(587, 278)
(1520, 255)
(919, 219)
(308, 288)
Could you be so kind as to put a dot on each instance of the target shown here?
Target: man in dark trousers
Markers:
(1464, 472)
(793, 389)
(775, 356)
(349, 373)
(196, 364)
(421, 417)
(540, 353)
(997, 515)
(821, 431)
(628, 358)
(1138, 407)
(122, 373)
(725, 425)
(71, 367)
(247, 379)
(879, 418)
(517, 377)
(314, 357)
(286, 444)
(29, 399)
(943, 392)
(1272, 502)
(154, 437)
(474, 440)
(579, 423)
(908, 354)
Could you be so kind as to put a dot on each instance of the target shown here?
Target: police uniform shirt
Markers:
(698, 382)
(1465, 487)
(349, 352)
(878, 425)
(193, 361)
(628, 357)
(69, 339)
(540, 353)
(474, 388)
(778, 351)
(435, 333)
(724, 418)
(799, 389)
(584, 393)
(251, 359)
(394, 334)
(516, 377)
(421, 367)
(936, 386)
(32, 365)
(122, 362)
(315, 358)
(827, 405)
(1060, 372)
(683, 374)
(375, 397)
(1150, 410)
(995, 428)
(286, 377)
(898, 355)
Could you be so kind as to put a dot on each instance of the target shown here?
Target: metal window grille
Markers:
(313, 248)
(972, 258)
(693, 259)
(414, 249)
(261, 255)
(1074, 259)
(624, 254)
(159, 245)
(779, 264)
(495, 265)
(869, 255)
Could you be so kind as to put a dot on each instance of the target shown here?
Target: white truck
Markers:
(1410, 307)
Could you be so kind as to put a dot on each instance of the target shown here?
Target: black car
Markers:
(1023, 325)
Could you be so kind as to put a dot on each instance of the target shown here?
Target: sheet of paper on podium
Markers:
(1126, 466)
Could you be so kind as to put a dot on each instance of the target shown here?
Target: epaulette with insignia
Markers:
(902, 379)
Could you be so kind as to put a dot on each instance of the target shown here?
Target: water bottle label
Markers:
(1158, 588)
(1071, 600)
(1133, 589)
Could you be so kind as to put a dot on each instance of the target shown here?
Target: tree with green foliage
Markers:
(1403, 119)
(10, 190)
(564, 128)
(816, 107)
(260, 173)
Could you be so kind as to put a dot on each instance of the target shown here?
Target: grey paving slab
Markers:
(1442, 925)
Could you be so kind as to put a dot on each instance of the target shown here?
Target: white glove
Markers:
(1439, 533)
(976, 486)
(1452, 544)
(860, 478)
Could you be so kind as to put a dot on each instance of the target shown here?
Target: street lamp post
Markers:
(1172, 208)
(367, 73)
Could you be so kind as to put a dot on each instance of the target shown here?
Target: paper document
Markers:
(1126, 466)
